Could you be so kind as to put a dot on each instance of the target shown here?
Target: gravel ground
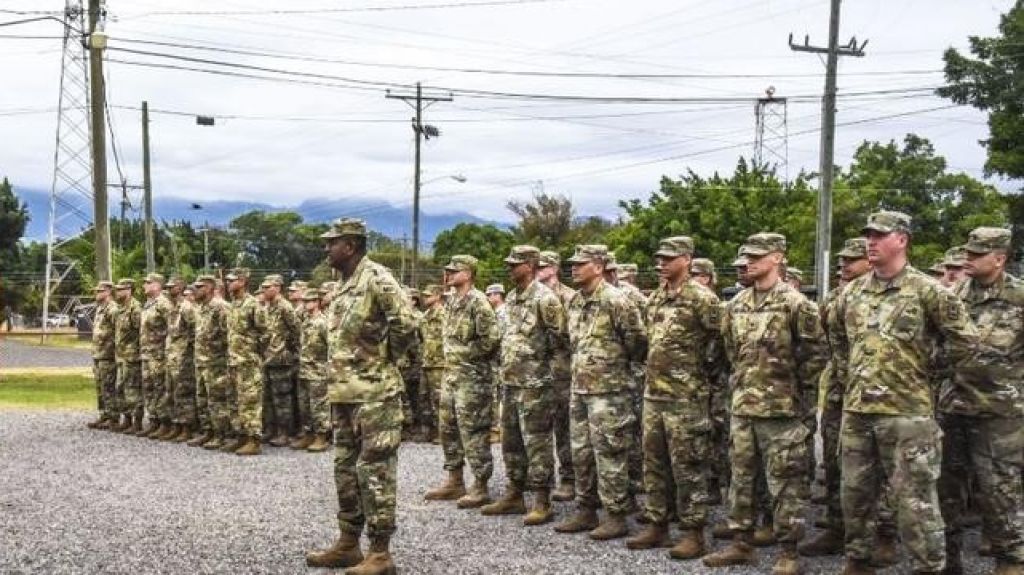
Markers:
(74, 500)
(18, 354)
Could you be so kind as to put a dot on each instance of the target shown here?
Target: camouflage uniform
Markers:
(638, 369)
(181, 367)
(313, 360)
(214, 395)
(501, 315)
(280, 328)
(244, 363)
(369, 325)
(681, 326)
(126, 352)
(431, 325)
(104, 366)
(774, 341)
(410, 366)
(561, 376)
(471, 339)
(883, 332)
(982, 413)
(606, 335)
(153, 351)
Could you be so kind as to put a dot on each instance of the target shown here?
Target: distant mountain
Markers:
(381, 216)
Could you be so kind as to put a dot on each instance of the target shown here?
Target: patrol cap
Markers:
(205, 279)
(586, 253)
(104, 286)
(675, 246)
(237, 273)
(273, 280)
(298, 285)
(702, 266)
(432, 290)
(938, 268)
(461, 262)
(854, 249)
(985, 240)
(792, 272)
(261, 288)
(495, 288)
(549, 258)
(125, 283)
(741, 259)
(628, 270)
(523, 254)
(176, 281)
(611, 263)
(763, 244)
(310, 295)
(955, 256)
(887, 222)
(154, 278)
(345, 227)
(327, 287)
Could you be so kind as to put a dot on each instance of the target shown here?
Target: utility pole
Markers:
(97, 101)
(147, 187)
(823, 244)
(421, 132)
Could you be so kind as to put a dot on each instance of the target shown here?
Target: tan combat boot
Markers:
(200, 439)
(122, 424)
(344, 553)
(320, 443)
(828, 542)
(566, 491)
(613, 527)
(739, 552)
(96, 423)
(764, 536)
(510, 504)
(215, 442)
(477, 496)
(1004, 567)
(152, 429)
(250, 447)
(885, 553)
(105, 423)
(172, 431)
(854, 567)
(788, 562)
(302, 442)
(451, 489)
(540, 513)
(691, 546)
(378, 560)
(231, 444)
(280, 440)
(185, 434)
(652, 536)
(585, 519)
(721, 530)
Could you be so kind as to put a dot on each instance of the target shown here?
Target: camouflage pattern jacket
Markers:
(103, 331)
(244, 333)
(606, 334)
(313, 349)
(991, 384)
(153, 328)
(280, 330)
(126, 331)
(682, 327)
(535, 329)
(181, 332)
(777, 350)
(431, 329)
(370, 325)
(560, 364)
(883, 334)
(471, 334)
(412, 360)
(211, 346)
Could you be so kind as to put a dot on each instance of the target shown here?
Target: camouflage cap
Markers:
(310, 295)
(794, 273)
(675, 246)
(345, 227)
(495, 288)
(741, 259)
(985, 240)
(205, 279)
(549, 258)
(327, 287)
(104, 286)
(432, 290)
(887, 222)
(298, 285)
(938, 268)
(273, 280)
(125, 283)
(854, 249)
(589, 252)
(176, 281)
(188, 289)
(955, 256)
(237, 273)
(461, 262)
(523, 254)
(261, 288)
(154, 278)
(763, 244)
(611, 263)
(628, 270)
(702, 266)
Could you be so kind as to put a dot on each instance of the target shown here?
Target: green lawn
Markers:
(47, 391)
(65, 340)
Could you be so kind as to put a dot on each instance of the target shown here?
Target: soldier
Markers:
(883, 329)
(606, 337)
(431, 327)
(181, 368)
(104, 366)
(938, 271)
(153, 351)
(535, 328)
(682, 322)
(314, 409)
(296, 295)
(628, 274)
(126, 353)
(213, 385)
(244, 360)
(561, 376)
(953, 266)
(773, 337)
(471, 338)
(369, 325)
(981, 411)
(496, 297)
(410, 366)
(281, 330)
(702, 271)
(794, 277)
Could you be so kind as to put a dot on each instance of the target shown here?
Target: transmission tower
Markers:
(771, 137)
(71, 189)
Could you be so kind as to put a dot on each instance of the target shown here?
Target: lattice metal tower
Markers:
(71, 190)
(771, 137)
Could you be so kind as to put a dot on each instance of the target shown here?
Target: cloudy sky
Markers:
(567, 96)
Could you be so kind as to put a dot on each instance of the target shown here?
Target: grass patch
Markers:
(62, 340)
(47, 390)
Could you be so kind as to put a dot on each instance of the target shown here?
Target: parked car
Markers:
(58, 320)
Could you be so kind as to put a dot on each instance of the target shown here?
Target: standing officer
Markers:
(126, 352)
(370, 325)
(244, 361)
(153, 348)
(313, 358)
(213, 385)
(181, 367)
(431, 335)
(104, 366)
(280, 328)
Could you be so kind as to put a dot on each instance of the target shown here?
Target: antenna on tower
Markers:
(771, 135)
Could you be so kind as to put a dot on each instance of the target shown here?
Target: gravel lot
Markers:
(74, 500)
(18, 354)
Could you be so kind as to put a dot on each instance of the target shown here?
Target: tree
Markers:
(486, 242)
(550, 222)
(13, 219)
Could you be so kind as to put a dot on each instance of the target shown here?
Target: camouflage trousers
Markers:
(560, 420)
(154, 389)
(775, 447)
(411, 406)
(303, 405)
(675, 449)
(213, 384)
(602, 427)
(908, 452)
(181, 378)
(129, 389)
(366, 440)
(636, 457)
(247, 382)
(278, 389)
(718, 465)
(432, 378)
(465, 423)
(105, 373)
(526, 442)
(319, 407)
(992, 450)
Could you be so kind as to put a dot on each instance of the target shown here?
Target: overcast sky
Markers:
(282, 142)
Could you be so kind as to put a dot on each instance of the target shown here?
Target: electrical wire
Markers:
(392, 8)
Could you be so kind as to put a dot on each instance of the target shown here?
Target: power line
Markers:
(285, 11)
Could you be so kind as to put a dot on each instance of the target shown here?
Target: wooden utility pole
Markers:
(97, 102)
(420, 132)
(823, 243)
(147, 188)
